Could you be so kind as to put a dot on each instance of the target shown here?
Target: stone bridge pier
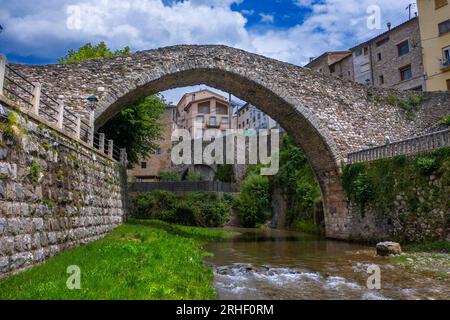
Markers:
(328, 117)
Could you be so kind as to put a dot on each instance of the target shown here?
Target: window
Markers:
(224, 120)
(158, 151)
(403, 48)
(143, 165)
(204, 108)
(448, 84)
(358, 52)
(405, 73)
(439, 3)
(221, 108)
(213, 121)
(379, 56)
(444, 27)
(382, 41)
(366, 51)
(200, 119)
(446, 57)
(381, 79)
(332, 68)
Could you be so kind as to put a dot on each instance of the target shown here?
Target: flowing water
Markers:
(276, 264)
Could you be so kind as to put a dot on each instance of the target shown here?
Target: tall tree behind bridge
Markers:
(137, 127)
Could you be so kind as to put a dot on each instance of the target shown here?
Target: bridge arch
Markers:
(328, 117)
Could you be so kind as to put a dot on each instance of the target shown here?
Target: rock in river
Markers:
(388, 248)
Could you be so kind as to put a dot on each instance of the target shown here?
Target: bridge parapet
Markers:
(409, 146)
(29, 96)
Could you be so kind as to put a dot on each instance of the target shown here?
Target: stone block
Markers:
(388, 248)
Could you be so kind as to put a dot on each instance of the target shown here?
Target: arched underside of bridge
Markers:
(298, 122)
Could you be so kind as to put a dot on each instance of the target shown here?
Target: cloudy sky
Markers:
(40, 31)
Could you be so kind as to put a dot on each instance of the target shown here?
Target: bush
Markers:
(224, 173)
(194, 209)
(169, 176)
(194, 176)
(253, 203)
(426, 165)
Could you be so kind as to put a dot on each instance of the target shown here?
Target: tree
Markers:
(136, 127)
(88, 52)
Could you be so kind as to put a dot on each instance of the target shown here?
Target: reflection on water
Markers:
(276, 264)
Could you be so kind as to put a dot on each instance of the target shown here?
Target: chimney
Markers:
(389, 25)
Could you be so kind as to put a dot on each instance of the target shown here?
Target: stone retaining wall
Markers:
(55, 193)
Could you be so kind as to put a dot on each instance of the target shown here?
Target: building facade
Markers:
(202, 110)
(249, 117)
(335, 63)
(149, 168)
(434, 20)
(392, 59)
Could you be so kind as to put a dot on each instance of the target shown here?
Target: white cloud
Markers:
(267, 18)
(51, 27)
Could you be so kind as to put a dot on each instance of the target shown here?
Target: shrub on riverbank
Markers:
(140, 260)
(253, 202)
(193, 209)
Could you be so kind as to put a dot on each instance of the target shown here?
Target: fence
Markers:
(29, 95)
(410, 146)
(184, 186)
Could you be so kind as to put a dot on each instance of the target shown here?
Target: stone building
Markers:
(149, 168)
(336, 63)
(392, 59)
(434, 20)
(249, 117)
(202, 110)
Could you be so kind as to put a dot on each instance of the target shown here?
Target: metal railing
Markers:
(410, 146)
(30, 96)
(184, 186)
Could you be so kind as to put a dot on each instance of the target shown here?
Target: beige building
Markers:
(335, 63)
(149, 168)
(202, 110)
(434, 20)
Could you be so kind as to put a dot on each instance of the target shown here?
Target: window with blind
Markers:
(444, 27)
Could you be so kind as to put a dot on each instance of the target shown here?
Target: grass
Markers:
(435, 246)
(139, 260)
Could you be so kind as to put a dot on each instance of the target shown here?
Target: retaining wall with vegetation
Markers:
(55, 192)
(406, 198)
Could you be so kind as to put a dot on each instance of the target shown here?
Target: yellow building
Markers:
(434, 21)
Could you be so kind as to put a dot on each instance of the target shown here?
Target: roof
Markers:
(333, 57)
(415, 19)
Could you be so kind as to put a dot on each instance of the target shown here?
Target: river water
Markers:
(275, 264)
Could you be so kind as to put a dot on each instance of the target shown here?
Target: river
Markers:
(275, 264)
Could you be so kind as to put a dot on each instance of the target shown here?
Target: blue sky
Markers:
(41, 31)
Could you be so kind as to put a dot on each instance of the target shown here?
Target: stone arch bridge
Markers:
(327, 117)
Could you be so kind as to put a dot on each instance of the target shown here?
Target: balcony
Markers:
(213, 124)
(445, 65)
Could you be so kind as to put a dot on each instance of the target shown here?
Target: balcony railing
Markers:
(445, 64)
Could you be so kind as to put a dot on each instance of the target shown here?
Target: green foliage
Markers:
(253, 202)
(196, 209)
(224, 173)
(425, 165)
(444, 121)
(297, 182)
(421, 182)
(410, 105)
(137, 127)
(169, 176)
(194, 176)
(12, 128)
(141, 260)
(89, 51)
(430, 246)
(307, 227)
(35, 171)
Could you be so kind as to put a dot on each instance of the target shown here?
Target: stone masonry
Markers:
(55, 193)
(328, 117)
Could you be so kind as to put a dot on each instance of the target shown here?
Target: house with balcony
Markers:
(202, 110)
